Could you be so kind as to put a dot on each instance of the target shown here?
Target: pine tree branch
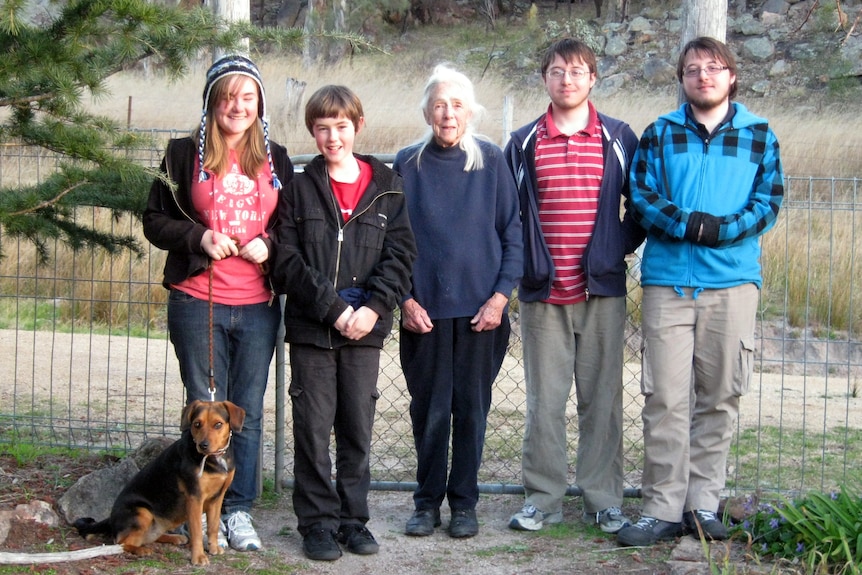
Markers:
(47, 203)
(4, 102)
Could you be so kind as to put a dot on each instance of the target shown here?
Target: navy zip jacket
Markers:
(604, 257)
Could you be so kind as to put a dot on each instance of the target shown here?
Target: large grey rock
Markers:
(758, 49)
(659, 73)
(93, 495)
(616, 46)
(776, 6)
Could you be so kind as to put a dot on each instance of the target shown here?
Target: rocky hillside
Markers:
(785, 49)
(798, 50)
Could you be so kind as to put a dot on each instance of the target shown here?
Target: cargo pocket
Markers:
(647, 386)
(744, 367)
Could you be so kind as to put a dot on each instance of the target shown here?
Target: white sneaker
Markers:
(531, 519)
(240, 532)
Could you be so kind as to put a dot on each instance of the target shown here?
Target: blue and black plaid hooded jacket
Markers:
(735, 174)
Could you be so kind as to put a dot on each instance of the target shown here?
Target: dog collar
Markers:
(218, 455)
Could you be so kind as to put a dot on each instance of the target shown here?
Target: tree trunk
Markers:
(315, 20)
(338, 48)
(232, 11)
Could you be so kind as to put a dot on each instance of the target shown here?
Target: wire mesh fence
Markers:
(87, 362)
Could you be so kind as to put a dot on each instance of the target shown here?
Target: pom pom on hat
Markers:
(230, 66)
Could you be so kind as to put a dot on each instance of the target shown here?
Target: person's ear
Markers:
(360, 124)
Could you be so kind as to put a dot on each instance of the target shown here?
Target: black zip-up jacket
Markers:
(612, 238)
(318, 254)
(170, 221)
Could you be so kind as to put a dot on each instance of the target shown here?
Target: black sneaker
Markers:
(358, 539)
(709, 522)
(423, 522)
(319, 544)
(647, 531)
(463, 523)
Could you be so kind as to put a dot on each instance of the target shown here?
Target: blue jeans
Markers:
(243, 343)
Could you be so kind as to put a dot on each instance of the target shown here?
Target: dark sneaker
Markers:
(423, 522)
(320, 545)
(610, 520)
(358, 539)
(463, 523)
(709, 522)
(647, 531)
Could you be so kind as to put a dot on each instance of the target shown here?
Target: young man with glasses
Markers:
(571, 167)
(707, 181)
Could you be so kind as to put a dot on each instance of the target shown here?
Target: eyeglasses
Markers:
(711, 70)
(574, 73)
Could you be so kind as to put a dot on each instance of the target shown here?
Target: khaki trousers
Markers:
(581, 342)
(698, 350)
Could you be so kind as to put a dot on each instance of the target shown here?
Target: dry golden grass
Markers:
(808, 259)
(815, 142)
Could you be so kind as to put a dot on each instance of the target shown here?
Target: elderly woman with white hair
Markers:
(463, 208)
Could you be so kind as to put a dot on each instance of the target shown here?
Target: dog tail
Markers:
(87, 526)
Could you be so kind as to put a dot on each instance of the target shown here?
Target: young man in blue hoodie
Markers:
(571, 167)
(706, 183)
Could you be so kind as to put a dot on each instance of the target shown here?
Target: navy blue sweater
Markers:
(467, 228)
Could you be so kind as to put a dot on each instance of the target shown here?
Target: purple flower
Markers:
(746, 525)
(833, 496)
(773, 523)
(763, 547)
(800, 547)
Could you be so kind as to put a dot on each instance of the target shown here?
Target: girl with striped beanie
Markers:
(213, 209)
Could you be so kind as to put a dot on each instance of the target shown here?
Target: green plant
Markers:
(821, 531)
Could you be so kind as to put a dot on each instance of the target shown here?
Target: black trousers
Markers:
(449, 373)
(332, 389)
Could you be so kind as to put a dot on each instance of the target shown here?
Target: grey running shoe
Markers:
(240, 532)
(531, 519)
(611, 520)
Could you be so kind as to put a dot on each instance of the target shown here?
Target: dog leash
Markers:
(212, 345)
(212, 390)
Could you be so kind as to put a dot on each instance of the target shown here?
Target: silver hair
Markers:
(444, 74)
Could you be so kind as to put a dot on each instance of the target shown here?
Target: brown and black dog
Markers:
(188, 478)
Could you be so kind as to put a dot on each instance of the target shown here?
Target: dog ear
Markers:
(188, 414)
(237, 416)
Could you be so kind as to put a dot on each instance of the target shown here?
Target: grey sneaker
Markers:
(531, 519)
(222, 532)
(611, 520)
(240, 532)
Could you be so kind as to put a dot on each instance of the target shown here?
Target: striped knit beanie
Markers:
(229, 66)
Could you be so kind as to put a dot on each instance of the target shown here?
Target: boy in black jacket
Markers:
(344, 254)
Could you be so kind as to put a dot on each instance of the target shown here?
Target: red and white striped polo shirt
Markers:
(569, 170)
